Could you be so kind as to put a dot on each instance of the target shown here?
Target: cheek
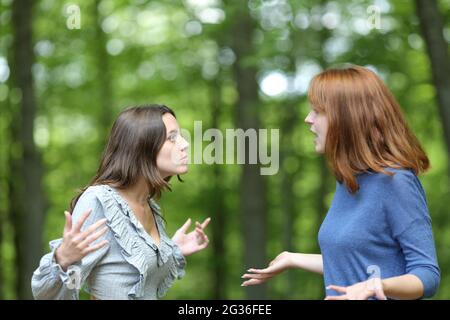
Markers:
(164, 155)
(323, 125)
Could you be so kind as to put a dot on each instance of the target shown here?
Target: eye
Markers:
(172, 137)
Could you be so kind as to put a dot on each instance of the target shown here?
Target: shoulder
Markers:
(405, 179)
(394, 177)
(396, 182)
(403, 184)
(90, 199)
(96, 193)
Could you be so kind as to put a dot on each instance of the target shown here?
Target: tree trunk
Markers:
(218, 204)
(104, 78)
(437, 47)
(27, 200)
(252, 185)
(289, 121)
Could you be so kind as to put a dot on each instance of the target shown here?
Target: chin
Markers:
(182, 170)
(320, 150)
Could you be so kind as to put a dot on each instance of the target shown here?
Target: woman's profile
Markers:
(376, 240)
(115, 242)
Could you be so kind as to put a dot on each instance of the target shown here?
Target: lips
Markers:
(183, 160)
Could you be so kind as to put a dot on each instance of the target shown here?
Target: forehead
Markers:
(170, 122)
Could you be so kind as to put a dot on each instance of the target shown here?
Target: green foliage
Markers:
(162, 52)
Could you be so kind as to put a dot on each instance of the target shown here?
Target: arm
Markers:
(308, 262)
(285, 260)
(410, 222)
(60, 272)
(406, 287)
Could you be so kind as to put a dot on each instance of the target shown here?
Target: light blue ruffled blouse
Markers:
(130, 266)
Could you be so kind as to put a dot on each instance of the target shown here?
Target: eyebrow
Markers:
(172, 131)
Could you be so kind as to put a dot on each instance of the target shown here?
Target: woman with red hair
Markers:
(376, 240)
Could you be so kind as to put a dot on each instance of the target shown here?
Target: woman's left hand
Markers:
(359, 291)
(193, 241)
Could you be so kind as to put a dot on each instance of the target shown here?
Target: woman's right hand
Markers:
(76, 243)
(257, 276)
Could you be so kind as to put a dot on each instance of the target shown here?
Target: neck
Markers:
(138, 192)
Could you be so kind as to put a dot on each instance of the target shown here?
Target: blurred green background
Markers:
(68, 68)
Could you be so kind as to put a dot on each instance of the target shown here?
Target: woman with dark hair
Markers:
(378, 223)
(131, 257)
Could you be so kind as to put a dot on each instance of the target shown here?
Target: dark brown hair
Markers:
(133, 145)
(366, 128)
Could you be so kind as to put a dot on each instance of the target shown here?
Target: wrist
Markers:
(59, 259)
(291, 260)
(385, 286)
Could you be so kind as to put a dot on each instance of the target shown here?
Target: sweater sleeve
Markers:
(49, 280)
(410, 223)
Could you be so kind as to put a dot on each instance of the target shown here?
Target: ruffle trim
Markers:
(118, 214)
(50, 266)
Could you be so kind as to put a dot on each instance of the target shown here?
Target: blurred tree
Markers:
(433, 32)
(178, 53)
(105, 92)
(217, 203)
(27, 199)
(252, 189)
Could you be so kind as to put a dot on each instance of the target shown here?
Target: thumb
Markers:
(380, 294)
(186, 225)
(68, 225)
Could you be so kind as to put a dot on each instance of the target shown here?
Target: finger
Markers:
(343, 297)
(257, 276)
(199, 229)
(186, 225)
(337, 288)
(205, 223)
(261, 271)
(379, 294)
(200, 232)
(91, 238)
(95, 247)
(252, 282)
(94, 227)
(205, 243)
(68, 224)
(83, 218)
(202, 239)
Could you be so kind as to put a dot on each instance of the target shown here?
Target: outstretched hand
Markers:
(359, 291)
(258, 276)
(193, 241)
(76, 244)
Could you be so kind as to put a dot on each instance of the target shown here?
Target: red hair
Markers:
(366, 127)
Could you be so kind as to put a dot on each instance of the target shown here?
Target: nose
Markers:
(183, 143)
(309, 118)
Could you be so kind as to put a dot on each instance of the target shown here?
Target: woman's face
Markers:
(172, 159)
(319, 126)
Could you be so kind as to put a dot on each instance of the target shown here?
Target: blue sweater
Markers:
(382, 230)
